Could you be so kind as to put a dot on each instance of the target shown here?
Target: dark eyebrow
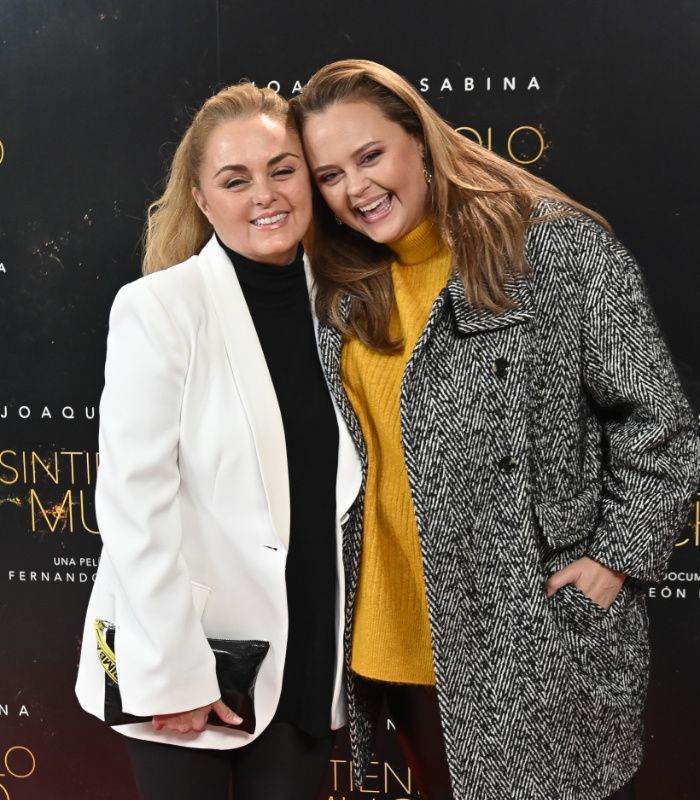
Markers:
(281, 157)
(354, 154)
(242, 167)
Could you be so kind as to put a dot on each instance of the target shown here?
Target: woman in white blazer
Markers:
(225, 474)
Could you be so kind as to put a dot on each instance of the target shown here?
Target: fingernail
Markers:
(237, 720)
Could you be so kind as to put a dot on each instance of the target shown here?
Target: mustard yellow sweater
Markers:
(391, 632)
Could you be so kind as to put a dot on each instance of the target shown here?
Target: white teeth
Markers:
(372, 206)
(270, 220)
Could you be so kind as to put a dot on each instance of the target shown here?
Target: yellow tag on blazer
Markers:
(104, 651)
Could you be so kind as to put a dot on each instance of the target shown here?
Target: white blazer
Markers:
(192, 502)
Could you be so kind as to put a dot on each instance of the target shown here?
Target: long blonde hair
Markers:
(176, 228)
(481, 202)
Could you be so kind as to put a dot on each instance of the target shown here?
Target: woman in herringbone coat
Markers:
(528, 453)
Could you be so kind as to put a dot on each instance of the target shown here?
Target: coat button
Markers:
(499, 367)
(507, 464)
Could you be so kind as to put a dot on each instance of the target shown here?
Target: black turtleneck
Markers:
(278, 301)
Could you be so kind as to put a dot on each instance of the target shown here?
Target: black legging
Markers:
(282, 763)
(414, 712)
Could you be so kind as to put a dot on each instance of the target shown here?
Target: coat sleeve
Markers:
(652, 454)
(164, 662)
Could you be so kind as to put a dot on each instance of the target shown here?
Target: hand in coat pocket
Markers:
(599, 583)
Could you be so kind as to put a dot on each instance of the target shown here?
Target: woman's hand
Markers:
(598, 582)
(194, 721)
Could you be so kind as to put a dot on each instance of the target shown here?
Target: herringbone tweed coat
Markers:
(533, 437)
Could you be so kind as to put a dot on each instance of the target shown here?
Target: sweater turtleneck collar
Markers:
(259, 274)
(420, 244)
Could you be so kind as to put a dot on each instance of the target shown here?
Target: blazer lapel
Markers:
(253, 380)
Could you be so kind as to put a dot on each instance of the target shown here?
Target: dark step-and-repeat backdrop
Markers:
(599, 97)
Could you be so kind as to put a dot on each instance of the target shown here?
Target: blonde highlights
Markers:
(176, 228)
(481, 203)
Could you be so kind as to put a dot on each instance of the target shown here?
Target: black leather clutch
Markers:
(237, 666)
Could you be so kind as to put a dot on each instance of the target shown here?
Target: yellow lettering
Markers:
(62, 512)
(82, 514)
(45, 466)
(405, 786)
(539, 136)
(368, 777)
(9, 768)
(467, 129)
(71, 454)
(8, 467)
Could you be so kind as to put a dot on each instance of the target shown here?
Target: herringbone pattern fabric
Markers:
(552, 430)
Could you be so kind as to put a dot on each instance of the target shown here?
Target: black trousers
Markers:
(414, 712)
(283, 763)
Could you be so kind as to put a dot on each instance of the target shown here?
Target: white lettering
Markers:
(68, 412)
(46, 413)
(509, 83)
(2, 268)
(25, 412)
(533, 84)
(682, 576)
(424, 85)
(468, 84)
(446, 86)
(297, 87)
(666, 592)
(274, 85)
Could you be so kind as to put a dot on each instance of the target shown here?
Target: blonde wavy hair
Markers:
(481, 202)
(175, 228)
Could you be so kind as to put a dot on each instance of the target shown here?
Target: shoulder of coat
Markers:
(564, 242)
(179, 289)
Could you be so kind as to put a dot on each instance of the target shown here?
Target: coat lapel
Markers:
(472, 319)
(253, 381)
(468, 319)
(350, 441)
(330, 345)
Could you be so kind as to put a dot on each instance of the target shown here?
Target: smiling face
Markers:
(368, 169)
(254, 188)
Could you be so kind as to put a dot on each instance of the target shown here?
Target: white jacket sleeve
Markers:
(164, 662)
